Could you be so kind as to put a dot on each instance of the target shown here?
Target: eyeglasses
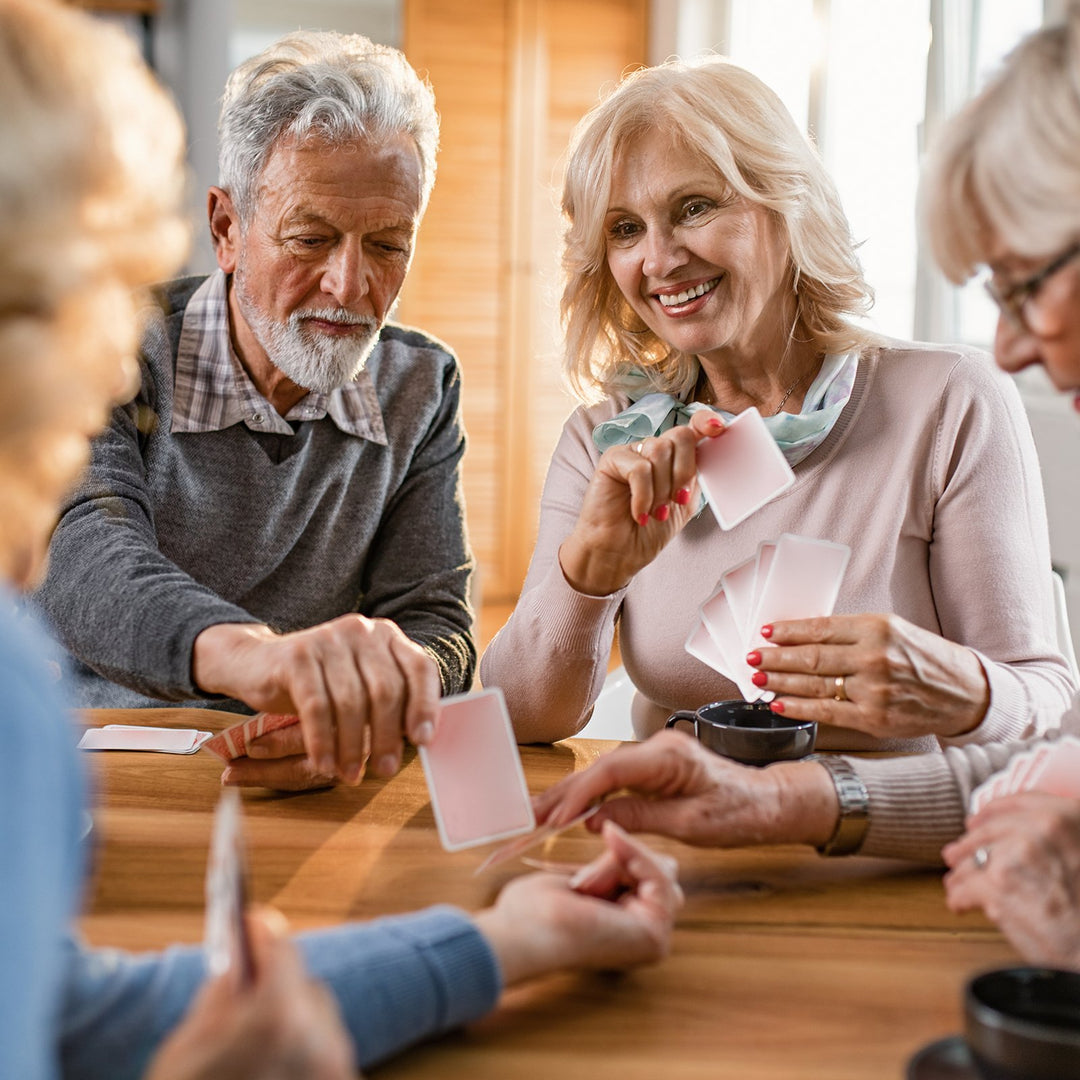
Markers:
(1013, 299)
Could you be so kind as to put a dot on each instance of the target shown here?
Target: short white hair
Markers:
(333, 87)
(1007, 166)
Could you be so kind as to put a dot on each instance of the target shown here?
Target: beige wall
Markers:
(511, 77)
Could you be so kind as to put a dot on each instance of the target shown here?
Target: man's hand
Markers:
(675, 787)
(283, 1027)
(358, 685)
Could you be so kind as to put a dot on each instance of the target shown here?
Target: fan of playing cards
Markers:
(795, 577)
(1053, 767)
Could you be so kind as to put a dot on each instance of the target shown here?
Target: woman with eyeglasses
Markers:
(1002, 190)
(710, 269)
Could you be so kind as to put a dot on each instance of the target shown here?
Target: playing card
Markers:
(803, 582)
(738, 586)
(742, 469)
(1017, 772)
(136, 737)
(718, 619)
(525, 843)
(701, 646)
(474, 774)
(233, 741)
(980, 796)
(1059, 771)
(227, 944)
(765, 554)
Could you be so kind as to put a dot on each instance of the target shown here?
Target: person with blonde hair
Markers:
(1001, 191)
(91, 178)
(710, 269)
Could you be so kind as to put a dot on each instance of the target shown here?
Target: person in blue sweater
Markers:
(90, 188)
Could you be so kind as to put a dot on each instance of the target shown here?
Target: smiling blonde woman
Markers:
(710, 269)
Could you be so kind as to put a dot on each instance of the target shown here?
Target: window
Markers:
(870, 81)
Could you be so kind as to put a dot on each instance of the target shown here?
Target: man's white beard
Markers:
(315, 361)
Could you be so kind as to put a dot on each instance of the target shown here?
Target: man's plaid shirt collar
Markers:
(212, 391)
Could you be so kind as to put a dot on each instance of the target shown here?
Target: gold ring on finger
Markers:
(840, 688)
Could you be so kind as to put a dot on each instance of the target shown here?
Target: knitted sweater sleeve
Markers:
(991, 553)
(551, 657)
(418, 568)
(397, 981)
(112, 598)
(918, 804)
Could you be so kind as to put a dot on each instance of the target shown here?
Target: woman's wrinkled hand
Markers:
(671, 785)
(638, 499)
(878, 674)
(1019, 861)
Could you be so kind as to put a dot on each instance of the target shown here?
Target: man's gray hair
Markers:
(328, 86)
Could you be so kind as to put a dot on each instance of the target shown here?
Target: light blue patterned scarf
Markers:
(797, 434)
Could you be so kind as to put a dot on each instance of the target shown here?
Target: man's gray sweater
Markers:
(172, 533)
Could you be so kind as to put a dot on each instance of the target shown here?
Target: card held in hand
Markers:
(228, 947)
(474, 774)
(233, 742)
(742, 469)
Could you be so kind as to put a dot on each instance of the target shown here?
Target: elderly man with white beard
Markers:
(276, 521)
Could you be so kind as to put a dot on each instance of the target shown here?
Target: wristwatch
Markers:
(854, 802)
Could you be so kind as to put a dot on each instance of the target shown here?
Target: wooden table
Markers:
(785, 965)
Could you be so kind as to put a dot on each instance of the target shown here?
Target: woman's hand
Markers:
(617, 912)
(675, 787)
(874, 673)
(638, 499)
(283, 1027)
(1027, 877)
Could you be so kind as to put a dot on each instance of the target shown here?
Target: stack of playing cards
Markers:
(742, 469)
(141, 737)
(233, 742)
(795, 577)
(1053, 767)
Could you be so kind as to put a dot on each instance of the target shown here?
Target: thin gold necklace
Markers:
(707, 397)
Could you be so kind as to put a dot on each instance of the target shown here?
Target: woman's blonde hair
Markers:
(732, 121)
(1007, 166)
(91, 185)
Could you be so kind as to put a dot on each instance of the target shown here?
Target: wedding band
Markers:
(638, 447)
(981, 858)
(840, 688)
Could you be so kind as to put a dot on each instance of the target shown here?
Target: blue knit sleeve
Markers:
(398, 981)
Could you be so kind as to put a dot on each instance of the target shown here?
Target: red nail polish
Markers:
(643, 519)
(661, 513)
(766, 631)
(753, 658)
(714, 423)
(759, 678)
(777, 707)
(682, 496)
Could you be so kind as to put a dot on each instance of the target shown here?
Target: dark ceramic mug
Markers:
(748, 731)
(1023, 1023)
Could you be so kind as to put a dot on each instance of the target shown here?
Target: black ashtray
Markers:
(1023, 1023)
